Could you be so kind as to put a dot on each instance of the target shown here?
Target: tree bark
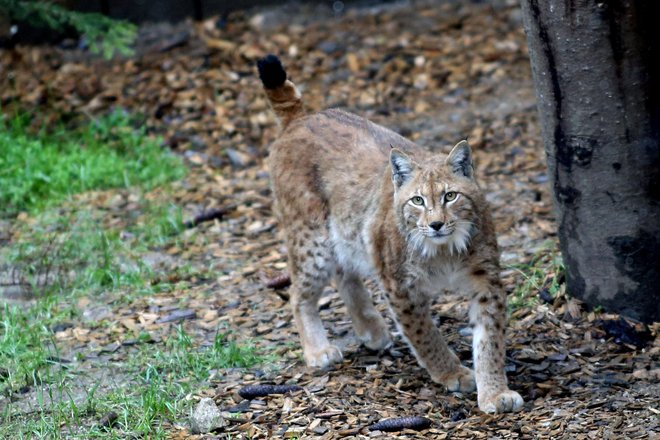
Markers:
(598, 88)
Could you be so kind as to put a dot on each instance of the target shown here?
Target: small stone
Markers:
(108, 420)
(198, 142)
(294, 432)
(206, 417)
(97, 313)
(641, 374)
(329, 47)
(238, 159)
(320, 430)
(61, 326)
(269, 20)
(178, 315)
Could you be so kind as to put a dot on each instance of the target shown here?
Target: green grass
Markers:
(104, 34)
(69, 251)
(167, 376)
(27, 348)
(43, 169)
(180, 358)
(64, 249)
(158, 224)
(150, 396)
(544, 271)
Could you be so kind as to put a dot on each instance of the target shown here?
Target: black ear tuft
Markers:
(460, 160)
(271, 72)
(402, 167)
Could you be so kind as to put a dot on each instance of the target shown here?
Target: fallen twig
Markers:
(211, 214)
(279, 282)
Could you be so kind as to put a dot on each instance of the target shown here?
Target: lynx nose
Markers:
(436, 225)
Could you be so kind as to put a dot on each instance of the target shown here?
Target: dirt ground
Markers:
(436, 72)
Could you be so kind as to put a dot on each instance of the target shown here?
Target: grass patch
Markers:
(62, 251)
(544, 272)
(43, 169)
(63, 247)
(69, 251)
(158, 224)
(167, 376)
(181, 359)
(146, 404)
(27, 349)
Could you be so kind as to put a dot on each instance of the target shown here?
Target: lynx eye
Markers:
(450, 196)
(417, 200)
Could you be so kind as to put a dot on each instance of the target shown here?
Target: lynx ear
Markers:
(460, 159)
(402, 167)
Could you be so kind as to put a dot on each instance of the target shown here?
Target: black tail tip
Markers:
(271, 72)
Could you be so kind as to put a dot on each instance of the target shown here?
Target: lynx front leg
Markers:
(488, 317)
(413, 314)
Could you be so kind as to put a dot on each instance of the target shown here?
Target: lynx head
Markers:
(435, 201)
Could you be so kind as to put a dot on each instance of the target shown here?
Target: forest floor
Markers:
(119, 312)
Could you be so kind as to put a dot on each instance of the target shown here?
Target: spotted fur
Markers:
(357, 201)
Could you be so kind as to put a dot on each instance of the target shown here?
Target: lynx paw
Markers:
(323, 358)
(461, 380)
(505, 401)
(376, 336)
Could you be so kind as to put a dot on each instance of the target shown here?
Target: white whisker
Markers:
(462, 236)
(456, 239)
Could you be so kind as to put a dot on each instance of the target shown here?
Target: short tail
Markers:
(284, 96)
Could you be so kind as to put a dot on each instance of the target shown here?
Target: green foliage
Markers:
(42, 170)
(105, 34)
(165, 377)
(159, 223)
(27, 350)
(65, 248)
(151, 392)
(62, 251)
(181, 359)
(544, 271)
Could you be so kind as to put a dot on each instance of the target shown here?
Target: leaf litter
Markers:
(461, 71)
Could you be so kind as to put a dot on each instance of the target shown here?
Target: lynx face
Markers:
(434, 202)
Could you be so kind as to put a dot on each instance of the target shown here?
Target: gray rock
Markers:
(238, 159)
(97, 313)
(330, 46)
(269, 20)
(206, 417)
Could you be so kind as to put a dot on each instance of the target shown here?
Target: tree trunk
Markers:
(598, 89)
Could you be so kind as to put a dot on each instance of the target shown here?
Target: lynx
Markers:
(357, 201)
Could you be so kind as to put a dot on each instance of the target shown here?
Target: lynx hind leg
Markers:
(369, 324)
(311, 264)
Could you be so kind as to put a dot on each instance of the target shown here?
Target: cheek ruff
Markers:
(423, 243)
(460, 239)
